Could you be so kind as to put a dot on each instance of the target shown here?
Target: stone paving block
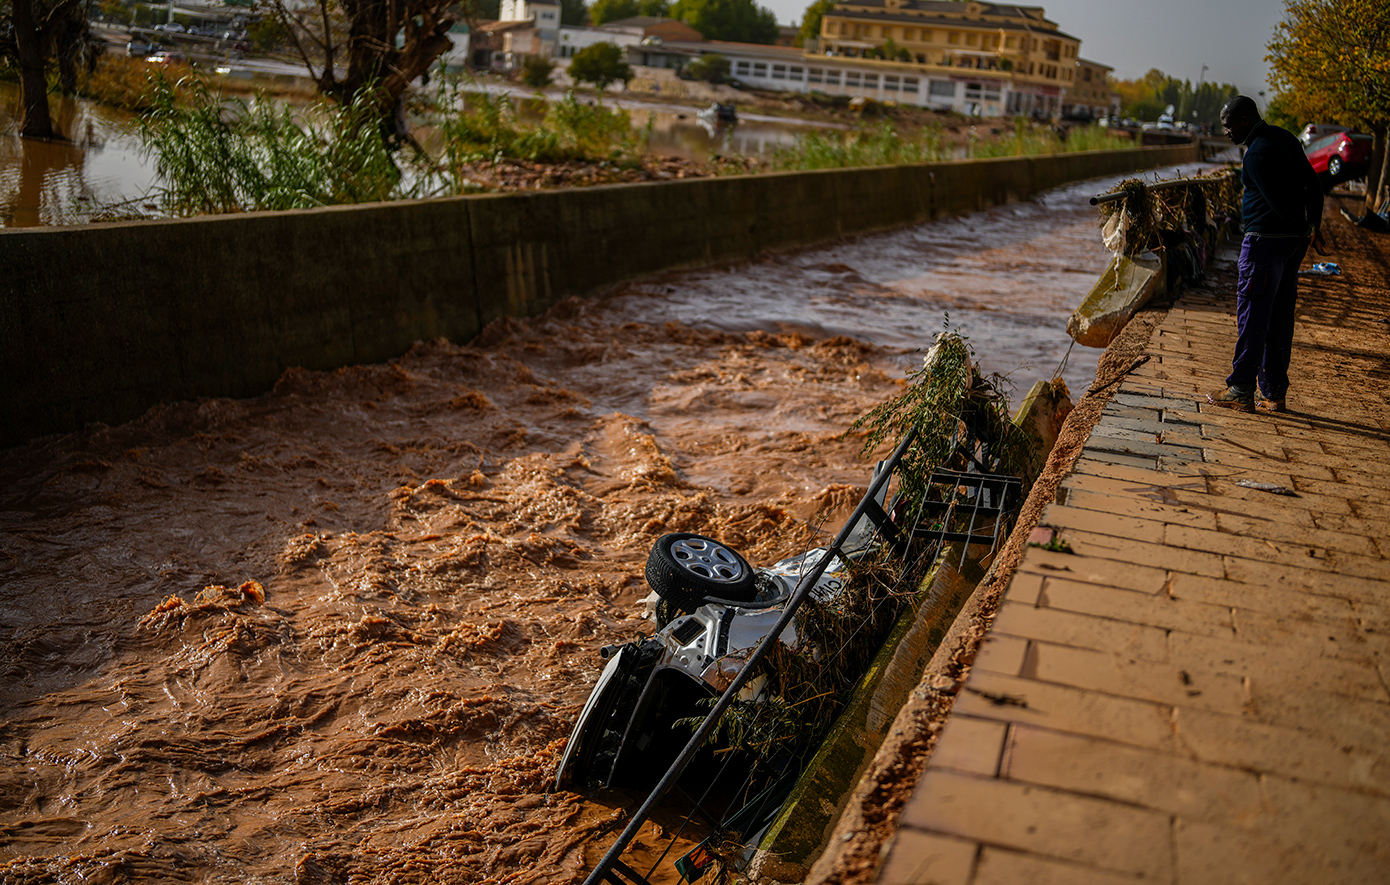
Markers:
(1339, 676)
(1125, 576)
(1367, 509)
(1024, 587)
(1063, 708)
(1182, 477)
(1083, 499)
(1345, 586)
(1331, 460)
(918, 858)
(1338, 831)
(1125, 459)
(1150, 427)
(1153, 609)
(1270, 749)
(1354, 477)
(1002, 867)
(1349, 565)
(1369, 454)
(1104, 444)
(1336, 489)
(1159, 682)
(1215, 853)
(1297, 603)
(1337, 639)
(1117, 524)
(1196, 561)
(970, 744)
(1308, 555)
(1225, 491)
(1351, 525)
(1050, 823)
(1275, 699)
(1279, 533)
(1134, 776)
(1139, 401)
(1002, 654)
(1060, 627)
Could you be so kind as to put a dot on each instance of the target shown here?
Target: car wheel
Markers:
(1334, 166)
(686, 569)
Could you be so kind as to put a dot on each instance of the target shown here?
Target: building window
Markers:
(871, 81)
(832, 78)
(911, 84)
(759, 69)
(953, 37)
(814, 75)
(890, 82)
(779, 72)
(741, 68)
(852, 79)
(941, 89)
(909, 33)
(1010, 42)
(971, 39)
(795, 73)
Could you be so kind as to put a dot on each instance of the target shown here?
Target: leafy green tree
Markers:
(739, 21)
(710, 67)
(604, 11)
(600, 64)
(1330, 59)
(39, 36)
(573, 12)
(811, 21)
(536, 71)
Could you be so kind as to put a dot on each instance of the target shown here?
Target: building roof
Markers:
(939, 22)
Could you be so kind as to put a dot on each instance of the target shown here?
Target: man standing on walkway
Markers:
(1281, 209)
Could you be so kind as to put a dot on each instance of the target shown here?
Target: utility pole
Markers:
(1198, 91)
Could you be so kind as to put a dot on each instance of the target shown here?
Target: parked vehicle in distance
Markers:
(1317, 130)
(167, 58)
(170, 28)
(139, 48)
(1340, 156)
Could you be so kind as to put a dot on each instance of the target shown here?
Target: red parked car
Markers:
(1340, 156)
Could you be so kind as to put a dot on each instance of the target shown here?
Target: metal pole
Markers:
(803, 589)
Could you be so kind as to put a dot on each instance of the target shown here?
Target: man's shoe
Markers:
(1230, 398)
(1271, 405)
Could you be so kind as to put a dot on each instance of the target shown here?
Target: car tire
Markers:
(686, 569)
(1334, 166)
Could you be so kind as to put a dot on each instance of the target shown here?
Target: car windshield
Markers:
(1318, 144)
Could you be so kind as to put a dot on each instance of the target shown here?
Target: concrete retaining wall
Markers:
(100, 322)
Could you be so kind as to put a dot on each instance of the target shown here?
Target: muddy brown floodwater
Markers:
(340, 632)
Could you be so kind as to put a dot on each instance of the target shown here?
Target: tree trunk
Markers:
(1375, 175)
(1380, 189)
(33, 86)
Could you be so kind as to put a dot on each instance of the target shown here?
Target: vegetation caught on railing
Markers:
(1148, 209)
(962, 422)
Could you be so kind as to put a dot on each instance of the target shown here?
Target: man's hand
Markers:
(1318, 241)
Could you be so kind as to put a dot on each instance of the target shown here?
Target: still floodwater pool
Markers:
(339, 632)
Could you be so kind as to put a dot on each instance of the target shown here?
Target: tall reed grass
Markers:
(884, 145)
(217, 157)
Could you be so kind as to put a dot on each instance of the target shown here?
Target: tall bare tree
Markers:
(372, 49)
(35, 34)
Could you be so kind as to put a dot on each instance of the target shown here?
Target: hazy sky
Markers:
(1175, 36)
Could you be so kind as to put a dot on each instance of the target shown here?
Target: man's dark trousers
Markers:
(1265, 301)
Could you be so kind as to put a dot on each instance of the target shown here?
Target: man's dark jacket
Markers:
(1283, 197)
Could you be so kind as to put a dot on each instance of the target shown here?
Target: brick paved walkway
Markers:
(1200, 691)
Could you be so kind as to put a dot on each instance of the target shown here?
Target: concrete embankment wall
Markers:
(100, 322)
